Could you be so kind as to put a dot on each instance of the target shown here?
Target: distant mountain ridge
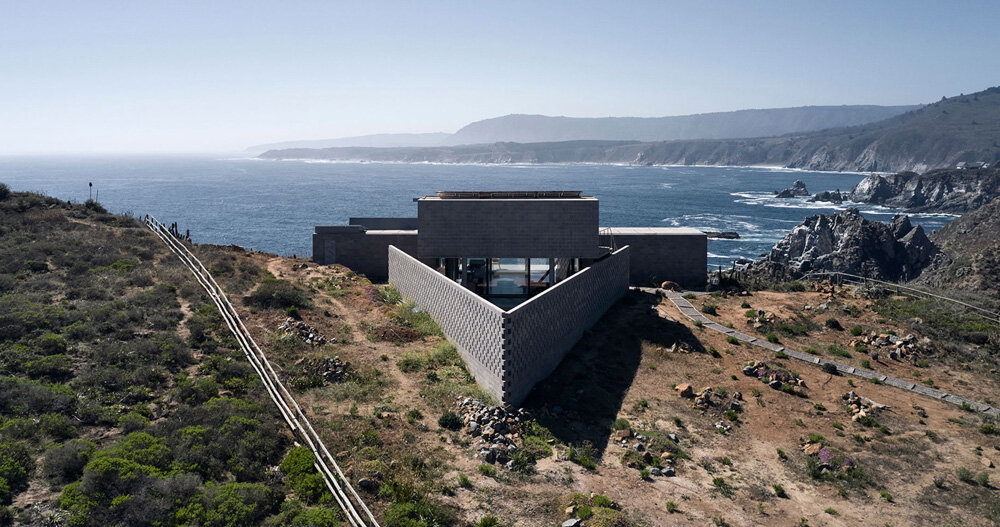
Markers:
(519, 128)
(938, 135)
(718, 125)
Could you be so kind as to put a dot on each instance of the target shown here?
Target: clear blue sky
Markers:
(216, 76)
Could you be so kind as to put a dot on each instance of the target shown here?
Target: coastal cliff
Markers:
(950, 190)
(939, 135)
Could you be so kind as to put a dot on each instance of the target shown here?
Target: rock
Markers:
(685, 390)
(735, 406)
(987, 462)
(946, 190)
(798, 189)
(749, 370)
(828, 197)
(570, 510)
(722, 235)
(672, 437)
(812, 449)
(666, 456)
(623, 434)
(668, 472)
(847, 242)
(671, 286)
(655, 471)
(368, 485)
(776, 384)
(572, 522)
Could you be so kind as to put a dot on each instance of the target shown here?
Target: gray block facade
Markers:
(508, 228)
(361, 250)
(385, 224)
(542, 330)
(659, 254)
(508, 352)
(471, 323)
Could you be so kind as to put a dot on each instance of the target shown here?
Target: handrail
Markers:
(290, 410)
(983, 312)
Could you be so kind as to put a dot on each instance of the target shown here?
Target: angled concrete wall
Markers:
(543, 329)
(469, 321)
(509, 352)
(658, 254)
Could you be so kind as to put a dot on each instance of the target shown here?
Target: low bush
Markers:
(834, 324)
(710, 309)
(66, 461)
(277, 294)
(450, 421)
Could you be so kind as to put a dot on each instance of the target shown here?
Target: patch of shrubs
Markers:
(274, 293)
(450, 421)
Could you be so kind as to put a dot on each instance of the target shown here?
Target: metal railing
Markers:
(338, 484)
(990, 315)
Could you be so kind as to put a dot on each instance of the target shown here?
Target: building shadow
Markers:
(581, 399)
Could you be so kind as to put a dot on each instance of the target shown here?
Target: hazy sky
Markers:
(214, 76)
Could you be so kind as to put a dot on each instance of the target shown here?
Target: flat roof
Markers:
(507, 194)
(658, 231)
(390, 232)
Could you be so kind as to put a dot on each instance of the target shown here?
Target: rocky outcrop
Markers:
(828, 197)
(849, 243)
(970, 258)
(949, 190)
(798, 189)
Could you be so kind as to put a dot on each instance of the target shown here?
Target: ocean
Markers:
(273, 205)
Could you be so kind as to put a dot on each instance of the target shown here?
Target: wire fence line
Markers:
(908, 290)
(339, 486)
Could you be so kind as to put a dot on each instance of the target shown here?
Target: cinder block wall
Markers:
(385, 224)
(681, 258)
(362, 251)
(509, 352)
(540, 331)
(508, 228)
(469, 321)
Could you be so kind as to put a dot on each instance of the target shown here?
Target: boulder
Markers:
(798, 189)
(812, 449)
(828, 197)
(685, 390)
(847, 242)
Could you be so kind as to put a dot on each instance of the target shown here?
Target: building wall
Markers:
(385, 224)
(469, 321)
(508, 228)
(540, 331)
(364, 252)
(657, 255)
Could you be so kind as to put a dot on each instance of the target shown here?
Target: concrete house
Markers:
(512, 278)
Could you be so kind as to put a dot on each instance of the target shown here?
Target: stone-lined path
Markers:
(689, 311)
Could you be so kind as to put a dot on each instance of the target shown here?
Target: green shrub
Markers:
(732, 340)
(487, 470)
(779, 490)
(133, 422)
(408, 314)
(989, 429)
(964, 474)
(829, 367)
(464, 481)
(782, 455)
(66, 461)
(450, 421)
(16, 467)
(621, 424)
(857, 331)
(838, 351)
(582, 455)
(833, 323)
(4, 191)
(886, 496)
(724, 488)
(57, 426)
(710, 309)
(488, 521)
(277, 294)
(983, 479)
(672, 507)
